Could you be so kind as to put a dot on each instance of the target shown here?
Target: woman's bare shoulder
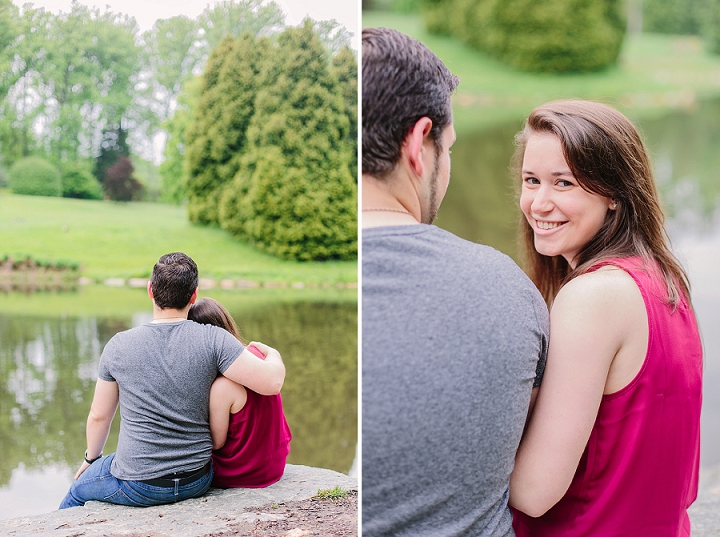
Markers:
(607, 285)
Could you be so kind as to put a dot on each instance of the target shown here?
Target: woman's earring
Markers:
(614, 205)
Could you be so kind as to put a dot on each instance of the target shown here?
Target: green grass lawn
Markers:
(656, 73)
(125, 240)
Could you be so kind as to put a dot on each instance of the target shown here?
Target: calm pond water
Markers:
(685, 148)
(48, 369)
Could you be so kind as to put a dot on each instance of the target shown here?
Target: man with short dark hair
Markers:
(454, 334)
(160, 374)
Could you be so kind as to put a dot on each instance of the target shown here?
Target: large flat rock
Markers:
(213, 513)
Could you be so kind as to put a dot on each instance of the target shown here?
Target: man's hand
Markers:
(83, 467)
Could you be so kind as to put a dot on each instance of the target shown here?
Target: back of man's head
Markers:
(173, 281)
(402, 81)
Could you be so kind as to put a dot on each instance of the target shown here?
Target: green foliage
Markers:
(711, 26)
(216, 135)
(34, 176)
(674, 16)
(234, 18)
(345, 68)
(79, 182)
(437, 15)
(8, 34)
(294, 195)
(535, 35)
(173, 171)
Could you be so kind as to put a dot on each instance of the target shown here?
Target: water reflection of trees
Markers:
(48, 368)
(684, 148)
(319, 346)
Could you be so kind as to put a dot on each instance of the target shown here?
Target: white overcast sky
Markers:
(146, 12)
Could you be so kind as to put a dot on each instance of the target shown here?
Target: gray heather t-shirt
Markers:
(453, 337)
(164, 372)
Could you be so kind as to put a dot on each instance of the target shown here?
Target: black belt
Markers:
(180, 478)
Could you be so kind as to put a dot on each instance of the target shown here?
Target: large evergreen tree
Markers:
(216, 137)
(345, 68)
(294, 195)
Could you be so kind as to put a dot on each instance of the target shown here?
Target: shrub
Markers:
(119, 183)
(536, 35)
(34, 176)
(79, 182)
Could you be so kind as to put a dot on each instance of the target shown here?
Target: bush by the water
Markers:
(535, 35)
(271, 144)
(34, 176)
(79, 182)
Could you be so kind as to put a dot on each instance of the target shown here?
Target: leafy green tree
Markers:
(8, 34)
(345, 68)
(294, 195)
(79, 182)
(234, 18)
(90, 64)
(34, 176)
(72, 73)
(172, 50)
(173, 171)
(216, 137)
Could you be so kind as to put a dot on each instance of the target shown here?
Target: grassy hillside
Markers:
(125, 240)
(656, 73)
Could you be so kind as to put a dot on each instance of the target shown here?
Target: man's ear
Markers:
(149, 290)
(415, 144)
(193, 298)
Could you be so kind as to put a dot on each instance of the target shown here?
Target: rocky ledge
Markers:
(214, 513)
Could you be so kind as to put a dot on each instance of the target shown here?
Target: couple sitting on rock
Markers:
(198, 407)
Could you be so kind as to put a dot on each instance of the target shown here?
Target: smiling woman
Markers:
(613, 443)
(564, 216)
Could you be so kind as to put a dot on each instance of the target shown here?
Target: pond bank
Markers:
(216, 512)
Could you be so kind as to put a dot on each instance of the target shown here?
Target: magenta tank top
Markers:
(639, 472)
(257, 444)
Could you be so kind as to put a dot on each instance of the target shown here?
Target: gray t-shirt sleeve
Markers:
(543, 319)
(228, 349)
(103, 369)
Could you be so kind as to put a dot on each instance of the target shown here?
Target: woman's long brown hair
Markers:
(606, 155)
(209, 311)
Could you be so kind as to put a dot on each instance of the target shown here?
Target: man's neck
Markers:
(169, 315)
(383, 204)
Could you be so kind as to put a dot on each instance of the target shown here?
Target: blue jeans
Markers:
(96, 483)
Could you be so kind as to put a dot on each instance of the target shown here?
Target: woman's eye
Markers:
(531, 181)
(563, 182)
